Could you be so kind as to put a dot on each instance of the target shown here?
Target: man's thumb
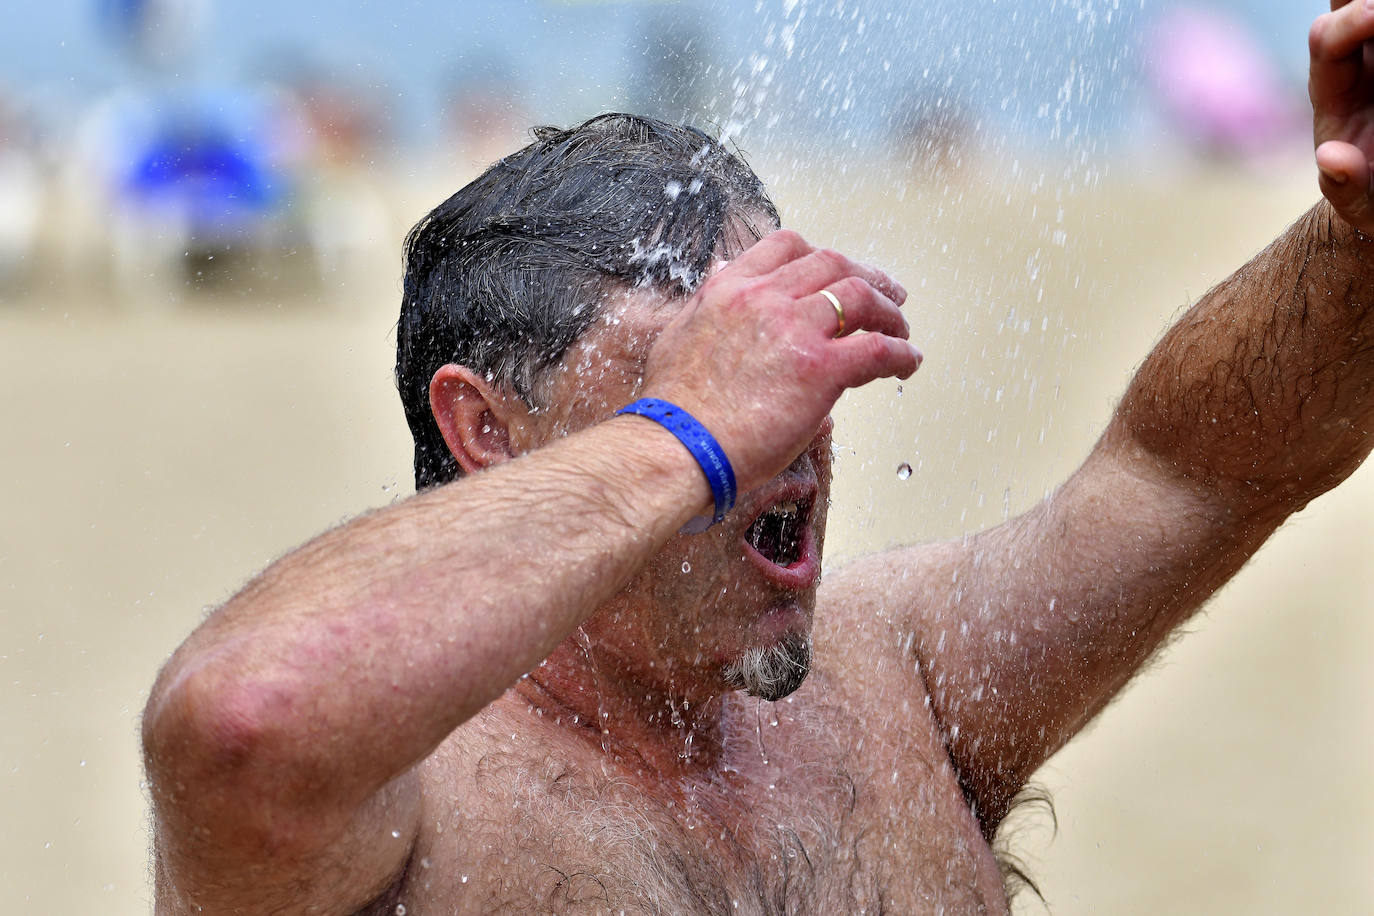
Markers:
(1343, 175)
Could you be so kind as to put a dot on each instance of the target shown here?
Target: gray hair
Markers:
(773, 672)
(508, 272)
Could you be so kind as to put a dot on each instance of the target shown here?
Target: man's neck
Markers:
(669, 733)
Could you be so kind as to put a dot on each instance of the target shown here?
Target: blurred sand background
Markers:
(160, 448)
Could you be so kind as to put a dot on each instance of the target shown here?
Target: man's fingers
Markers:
(866, 357)
(1343, 173)
(1344, 164)
(1331, 77)
(802, 269)
(771, 252)
(825, 266)
(1339, 34)
(863, 308)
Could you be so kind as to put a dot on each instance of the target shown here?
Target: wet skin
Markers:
(814, 804)
(622, 774)
(945, 673)
(355, 731)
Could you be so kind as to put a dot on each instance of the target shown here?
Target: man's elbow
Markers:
(200, 716)
(219, 750)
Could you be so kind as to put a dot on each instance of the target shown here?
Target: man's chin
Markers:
(772, 672)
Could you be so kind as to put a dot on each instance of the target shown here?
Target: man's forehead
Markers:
(603, 368)
(612, 351)
(629, 322)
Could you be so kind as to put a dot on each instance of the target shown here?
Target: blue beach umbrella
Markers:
(192, 166)
(212, 163)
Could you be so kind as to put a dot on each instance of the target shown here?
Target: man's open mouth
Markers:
(779, 534)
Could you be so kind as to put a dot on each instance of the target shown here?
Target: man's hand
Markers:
(755, 357)
(1342, 91)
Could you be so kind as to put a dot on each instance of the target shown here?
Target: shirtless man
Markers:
(525, 690)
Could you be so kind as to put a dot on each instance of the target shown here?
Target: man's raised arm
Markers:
(280, 738)
(1255, 402)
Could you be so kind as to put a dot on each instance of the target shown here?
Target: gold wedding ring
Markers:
(839, 310)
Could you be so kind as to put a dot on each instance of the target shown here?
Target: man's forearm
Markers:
(1262, 389)
(1252, 404)
(351, 658)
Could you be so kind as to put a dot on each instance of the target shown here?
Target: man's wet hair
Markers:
(507, 273)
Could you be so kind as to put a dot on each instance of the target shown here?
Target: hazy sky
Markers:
(850, 60)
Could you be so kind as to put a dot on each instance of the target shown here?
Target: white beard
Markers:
(774, 672)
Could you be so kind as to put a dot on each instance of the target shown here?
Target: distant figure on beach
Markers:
(23, 188)
(591, 667)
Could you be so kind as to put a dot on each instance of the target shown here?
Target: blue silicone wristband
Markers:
(703, 446)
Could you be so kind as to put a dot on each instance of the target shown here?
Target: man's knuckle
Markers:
(751, 290)
(851, 289)
(1316, 35)
(810, 362)
(748, 295)
(875, 346)
(834, 259)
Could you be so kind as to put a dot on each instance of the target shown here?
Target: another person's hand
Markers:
(754, 354)
(1342, 90)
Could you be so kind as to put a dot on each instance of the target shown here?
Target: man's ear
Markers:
(473, 418)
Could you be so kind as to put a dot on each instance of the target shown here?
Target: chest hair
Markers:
(589, 839)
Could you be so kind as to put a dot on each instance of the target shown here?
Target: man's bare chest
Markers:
(792, 824)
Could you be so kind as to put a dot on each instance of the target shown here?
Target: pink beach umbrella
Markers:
(1214, 82)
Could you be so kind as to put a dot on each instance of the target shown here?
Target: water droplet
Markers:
(465, 879)
(899, 391)
(395, 834)
(903, 471)
(400, 909)
(686, 567)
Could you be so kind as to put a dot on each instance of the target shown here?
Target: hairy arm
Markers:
(1255, 402)
(280, 738)
(293, 714)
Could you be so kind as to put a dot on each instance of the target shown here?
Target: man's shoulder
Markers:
(509, 759)
(868, 609)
